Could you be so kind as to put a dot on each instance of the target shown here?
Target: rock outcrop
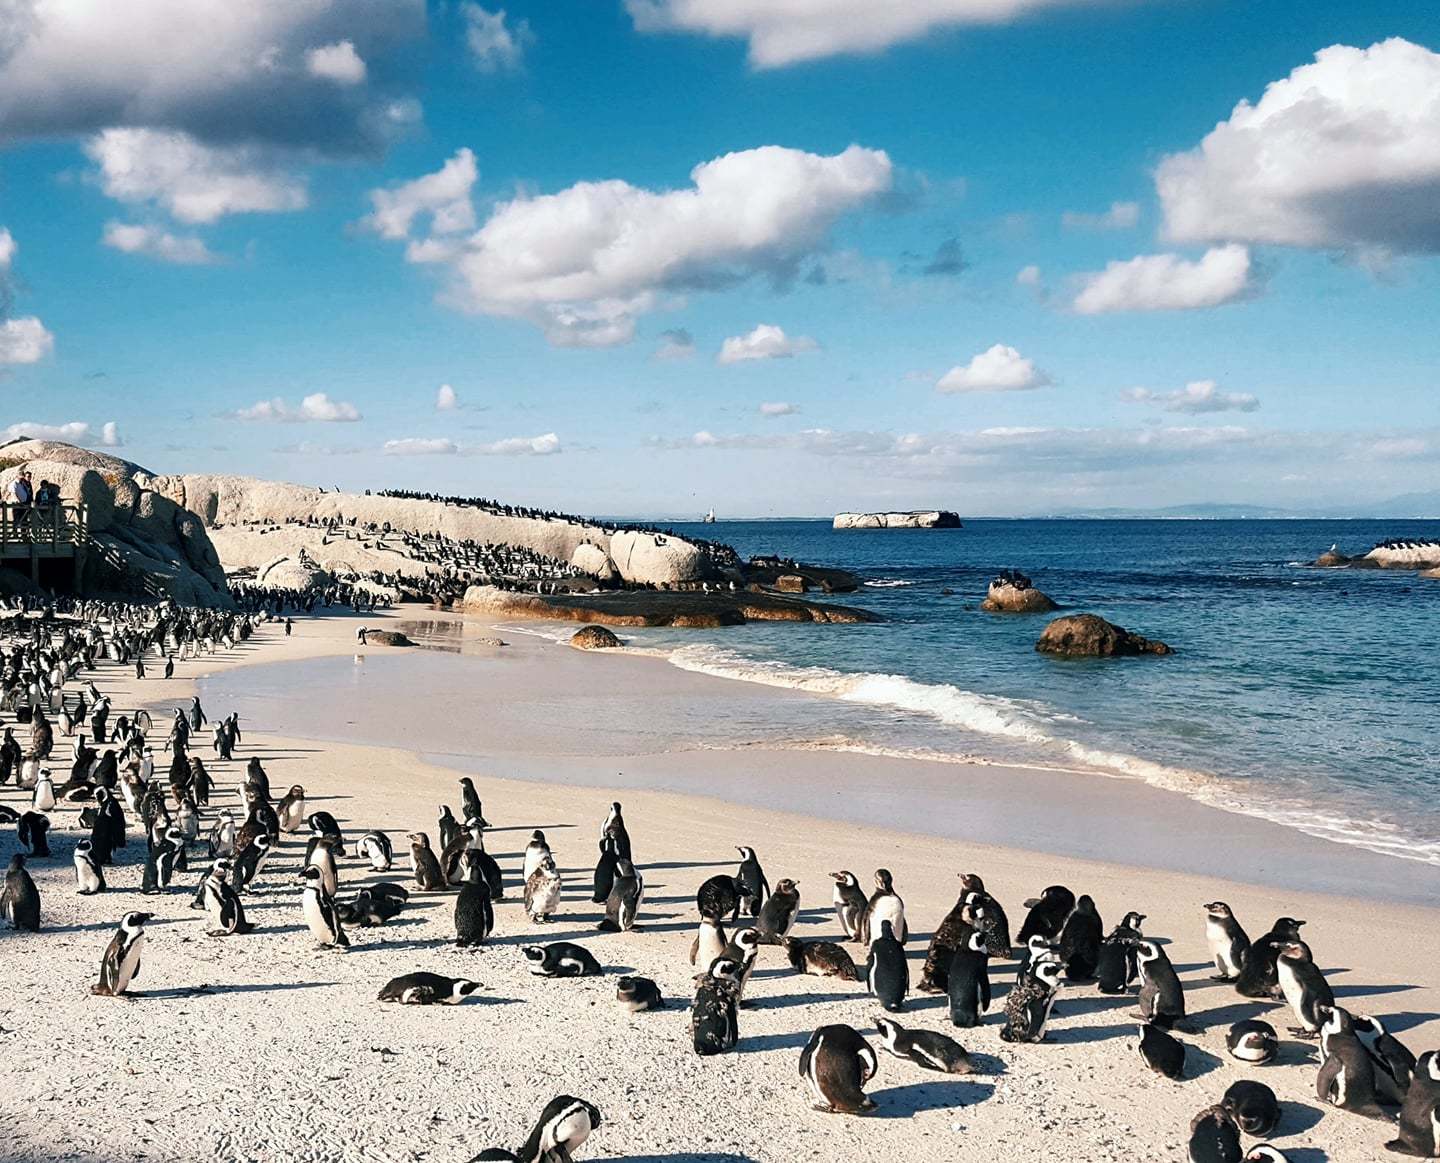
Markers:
(1009, 599)
(689, 609)
(790, 583)
(594, 638)
(1399, 553)
(1331, 558)
(387, 638)
(141, 538)
(593, 560)
(1091, 636)
(919, 519)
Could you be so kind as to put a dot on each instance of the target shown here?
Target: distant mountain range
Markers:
(1408, 506)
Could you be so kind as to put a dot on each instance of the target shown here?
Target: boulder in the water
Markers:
(1091, 636)
(790, 583)
(1005, 598)
(594, 638)
(386, 638)
(1332, 557)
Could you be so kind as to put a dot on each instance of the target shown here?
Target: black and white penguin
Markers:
(89, 873)
(376, 850)
(222, 903)
(33, 834)
(885, 904)
(1047, 914)
(709, 943)
(1394, 1063)
(561, 1130)
(926, 1048)
(1162, 997)
(1080, 940)
(995, 925)
(752, 876)
(474, 912)
(953, 931)
(1117, 966)
(1215, 1137)
(1037, 949)
(108, 831)
(448, 827)
(121, 963)
(291, 810)
(1347, 1077)
(605, 870)
(1252, 1041)
(561, 959)
(324, 824)
(1253, 1106)
(778, 914)
(1258, 975)
(625, 896)
(821, 959)
(542, 891)
(489, 868)
(1305, 988)
(968, 982)
(719, 898)
(850, 905)
(1265, 1153)
(428, 989)
(536, 853)
(322, 856)
(428, 876)
(318, 908)
(470, 806)
(1419, 1132)
(42, 798)
(1162, 1052)
(614, 825)
(20, 900)
(248, 862)
(1029, 1002)
(743, 949)
(887, 973)
(638, 994)
(1227, 940)
(714, 1015)
(836, 1064)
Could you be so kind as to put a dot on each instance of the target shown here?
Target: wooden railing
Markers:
(42, 530)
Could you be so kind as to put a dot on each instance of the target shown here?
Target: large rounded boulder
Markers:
(1091, 636)
(656, 558)
(593, 560)
(594, 638)
(1003, 598)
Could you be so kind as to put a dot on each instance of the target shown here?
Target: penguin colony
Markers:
(130, 805)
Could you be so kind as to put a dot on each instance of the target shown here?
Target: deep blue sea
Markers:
(1310, 697)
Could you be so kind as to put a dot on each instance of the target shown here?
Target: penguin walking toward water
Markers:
(778, 914)
(89, 873)
(709, 943)
(850, 905)
(428, 876)
(542, 892)
(927, 1049)
(536, 853)
(638, 994)
(1259, 976)
(560, 1132)
(885, 905)
(20, 899)
(1419, 1132)
(1029, 1002)
(376, 850)
(1117, 966)
(120, 964)
(427, 989)
(1253, 1106)
(1048, 913)
(1162, 997)
(1162, 1052)
(752, 876)
(836, 1064)
(821, 959)
(1227, 940)
(605, 869)
(1080, 940)
(968, 982)
(1304, 987)
(1252, 1041)
(887, 973)
(318, 908)
(625, 897)
(474, 913)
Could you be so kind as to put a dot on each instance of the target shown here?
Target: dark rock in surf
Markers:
(1091, 636)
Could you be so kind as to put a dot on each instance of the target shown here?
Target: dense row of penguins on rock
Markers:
(48, 668)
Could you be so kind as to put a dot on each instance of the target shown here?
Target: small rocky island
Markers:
(1091, 636)
(1012, 592)
(1422, 553)
(917, 519)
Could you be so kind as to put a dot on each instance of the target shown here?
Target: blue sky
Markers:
(191, 243)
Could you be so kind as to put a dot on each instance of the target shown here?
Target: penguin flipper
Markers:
(1325, 1081)
(984, 992)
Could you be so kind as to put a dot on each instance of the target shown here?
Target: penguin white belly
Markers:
(888, 908)
(214, 907)
(1293, 991)
(129, 964)
(315, 918)
(711, 946)
(547, 901)
(533, 857)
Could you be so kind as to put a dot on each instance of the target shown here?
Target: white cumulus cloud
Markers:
(766, 341)
(338, 62)
(24, 340)
(782, 32)
(1344, 152)
(8, 248)
(583, 263)
(445, 399)
(546, 445)
(318, 406)
(153, 242)
(1168, 282)
(75, 432)
(194, 182)
(444, 196)
(779, 408)
(110, 434)
(1196, 398)
(495, 43)
(420, 446)
(999, 369)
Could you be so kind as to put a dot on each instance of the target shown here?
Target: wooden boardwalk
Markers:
(37, 533)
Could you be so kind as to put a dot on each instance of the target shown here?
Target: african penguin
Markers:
(709, 943)
(777, 916)
(474, 912)
(885, 905)
(1304, 987)
(1047, 914)
(318, 908)
(1258, 975)
(1252, 1041)
(752, 876)
(1080, 939)
(376, 850)
(542, 891)
(1347, 1071)
(1214, 1137)
(561, 959)
(1419, 1132)
(424, 989)
(121, 963)
(1227, 940)
(850, 905)
(714, 1015)
(638, 994)
(428, 876)
(1253, 1106)
(1162, 997)
(1163, 1053)
(927, 1049)
(836, 1064)
(887, 973)
(1117, 966)
(20, 900)
(968, 982)
(89, 873)
(821, 959)
(623, 904)
(1029, 1002)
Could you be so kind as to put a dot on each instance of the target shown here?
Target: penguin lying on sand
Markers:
(927, 1049)
(561, 1130)
(424, 989)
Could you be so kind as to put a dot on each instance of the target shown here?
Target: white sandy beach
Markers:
(261, 1047)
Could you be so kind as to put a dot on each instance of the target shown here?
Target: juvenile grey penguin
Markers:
(927, 1049)
(318, 908)
(120, 964)
(850, 905)
(1254, 1107)
(1252, 1041)
(1305, 988)
(428, 876)
(950, 934)
(1028, 1004)
(89, 873)
(885, 905)
(1162, 997)
(1227, 940)
(777, 916)
(887, 973)
(821, 959)
(428, 989)
(836, 1064)
(638, 994)
(1419, 1132)
(626, 893)
(542, 891)
(20, 901)
(752, 876)
(1162, 1052)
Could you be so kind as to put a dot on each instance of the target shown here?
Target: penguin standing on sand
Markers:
(885, 905)
(1117, 966)
(927, 1049)
(850, 905)
(777, 916)
(1419, 1132)
(836, 1064)
(542, 892)
(709, 943)
(614, 825)
(318, 908)
(752, 876)
(887, 973)
(1304, 987)
(33, 834)
(375, 848)
(605, 869)
(470, 805)
(952, 932)
(489, 869)
(1047, 915)
(743, 950)
(1258, 975)
(537, 851)
(1227, 940)
(969, 982)
(1080, 940)
(222, 902)
(1347, 1072)
(247, 865)
(322, 856)
(1162, 997)
(625, 897)
(291, 809)
(1162, 1052)
(449, 827)
(1028, 1004)
(714, 1015)
(20, 900)
(42, 799)
(474, 914)
(89, 873)
(120, 964)
(323, 824)
(428, 876)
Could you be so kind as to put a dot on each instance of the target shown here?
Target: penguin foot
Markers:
(1304, 1034)
(1221, 977)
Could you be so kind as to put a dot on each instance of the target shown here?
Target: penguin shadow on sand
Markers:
(801, 999)
(760, 1043)
(684, 1157)
(910, 1099)
(207, 990)
(1295, 1119)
